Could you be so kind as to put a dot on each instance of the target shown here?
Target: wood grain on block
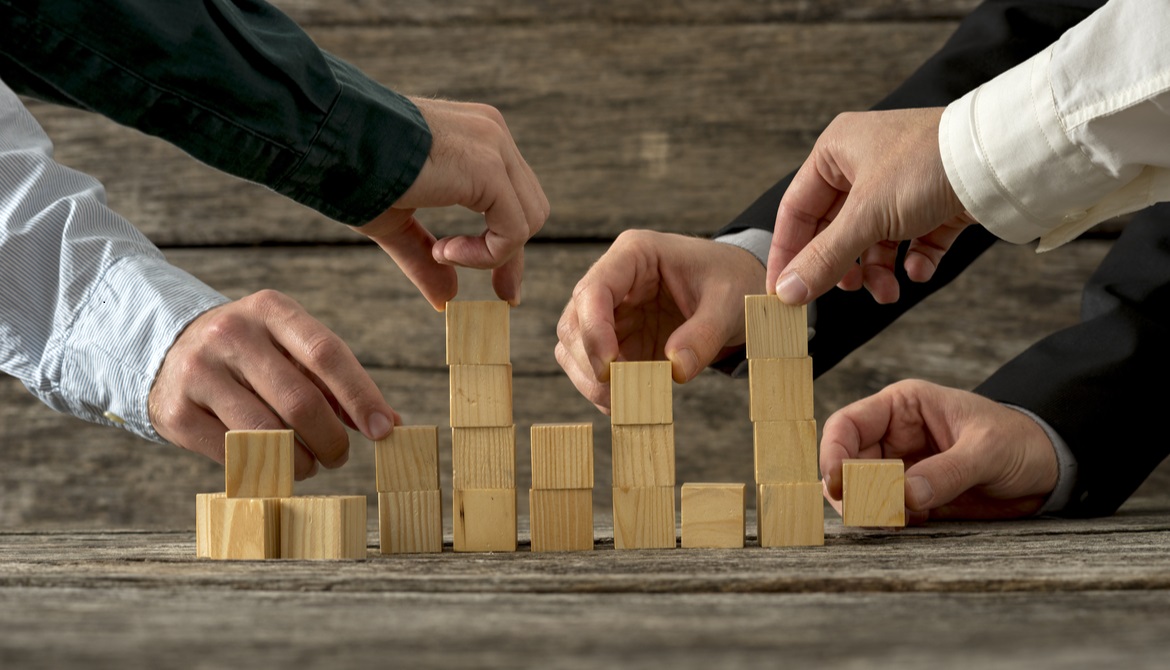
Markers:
(873, 492)
(561, 519)
(481, 395)
(640, 393)
(643, 517)
(775, 330)
(791, 515)
(323, 527)
(483, 458)
(244, 528)
(785, 451)
(258, 463)
(478, 332)
(562, 456)
(781, 389)
(643, 456)
(408, 459)
(712, 515)
(410, 522)
(203, 523)
(484, 519)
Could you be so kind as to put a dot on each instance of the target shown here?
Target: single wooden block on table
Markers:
(481, 395)
(562, 456)
(644, 518)
(323, 527)
(203, 523)
(775, 330)
(244, 528)
(410, 522)
(643, 456)
(712, 515)
(873, 492)
(781, 389)
(484, 519)
(478, 332)
(791, 515)
(785, 451)
(561, 519)
(640, 393)
(408, 459)
(259, 463)
(483, 458)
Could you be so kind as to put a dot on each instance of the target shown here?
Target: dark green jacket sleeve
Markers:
(236, 84)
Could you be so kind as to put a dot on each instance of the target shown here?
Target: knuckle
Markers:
(302, 405)
(324, 350)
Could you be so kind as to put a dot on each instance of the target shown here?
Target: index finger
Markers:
(810, 199)
(596, 298)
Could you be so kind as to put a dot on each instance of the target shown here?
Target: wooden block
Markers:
(873, 492)
(410, 522)
(561, 519)
(244, 528)
(643, 517)
(643, 456)
(562, 456)
(484, 519)
(712, 515)
(258, 463)
(323, 527)
(791, 515)
(481, 395)
(775, 330)
(477, 332)
(408, 459)
(483, 458)
(640, 393)
(786, 451)
(781, 389)
(203, 523)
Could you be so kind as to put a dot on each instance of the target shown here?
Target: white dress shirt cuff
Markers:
(1066, 466)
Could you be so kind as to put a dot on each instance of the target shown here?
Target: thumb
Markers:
(828, 256)
(939, 479)
(694, 344)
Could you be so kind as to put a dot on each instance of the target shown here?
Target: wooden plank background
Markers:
(664, 115)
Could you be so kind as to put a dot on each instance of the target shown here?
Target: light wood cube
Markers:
(244, 528)
(483, 458)
(410, 522)
(323, 527)
(775, 330)
(408, 459)
(873, 492)
(477, 332)
(259, 463)
(203, 523)
(791, 515)
(785, 451)
(481, 395)
(643, 456)
(644, 518)
(484, 519)
(561, 519)
(781, 389)
(641, 393)
(712, 515)
(562, 456)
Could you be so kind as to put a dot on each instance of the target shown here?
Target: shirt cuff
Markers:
(1066, 466)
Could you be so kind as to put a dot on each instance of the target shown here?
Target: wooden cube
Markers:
(712, 515)
(561, 519)
(643, 518)
(781, 389)
(785, 451)
(640, 393)
(562, 456)
(244, 528)
(259, 463)
(323, 527)
(791, 515)
(481, 395)
(408, 459)
(873, 492)
(643, 456)
(484, 519)
(477, 332)
(775, 330)
(483, 458)
(410, 522)
(203, 523)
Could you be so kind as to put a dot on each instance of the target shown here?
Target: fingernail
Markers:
(378, 425)
(687, 361)
(791, 289)
(921, 492)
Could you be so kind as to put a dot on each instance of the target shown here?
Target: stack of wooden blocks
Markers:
(643, 455)
(789, 504)
(561, 498)
(410, 503)
(483, 435)
(257, 517)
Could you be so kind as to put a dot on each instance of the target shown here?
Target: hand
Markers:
(872, 180)
(967, 457)
(655, 296)
(473, 162)
(263, 363)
